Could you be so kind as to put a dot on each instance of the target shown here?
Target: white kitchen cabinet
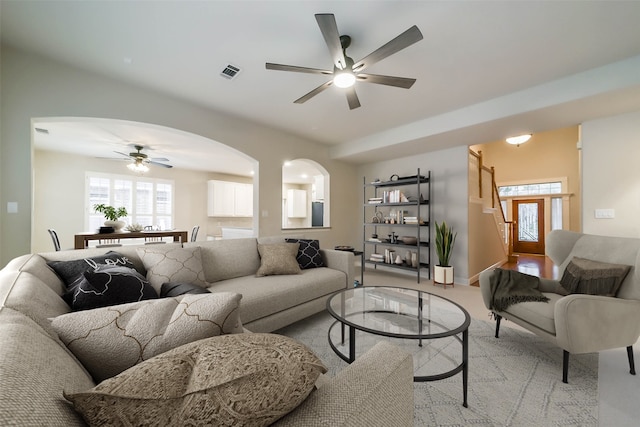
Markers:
(229, 199)
(296, 203)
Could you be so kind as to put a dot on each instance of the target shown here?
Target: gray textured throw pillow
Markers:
(169, 263)
(278, 258)
(242, 379)
(585, 276)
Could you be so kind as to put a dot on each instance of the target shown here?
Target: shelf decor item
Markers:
(445, 240)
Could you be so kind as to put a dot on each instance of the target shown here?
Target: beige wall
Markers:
(611, 179)
(35, 87)
(547, 155)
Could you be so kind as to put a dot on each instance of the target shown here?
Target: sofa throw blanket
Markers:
(511, 287)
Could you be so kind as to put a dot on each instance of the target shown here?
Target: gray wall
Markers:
(35, 87)
(449, 199)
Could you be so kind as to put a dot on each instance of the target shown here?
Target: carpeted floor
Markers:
(515, 380)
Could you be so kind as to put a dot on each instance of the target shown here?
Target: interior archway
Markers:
(65, 147)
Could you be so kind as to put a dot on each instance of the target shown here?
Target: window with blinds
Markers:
(148, 201)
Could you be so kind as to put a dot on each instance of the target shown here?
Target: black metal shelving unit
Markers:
(382, 199)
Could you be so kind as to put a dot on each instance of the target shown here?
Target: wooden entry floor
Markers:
(536, 265)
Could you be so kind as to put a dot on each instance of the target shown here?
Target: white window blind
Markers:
(148, 201)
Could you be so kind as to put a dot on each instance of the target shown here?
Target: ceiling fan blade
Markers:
(159, 159)
(352, 98)
(313, 93)
(402, 82)
(164, 165)
(123, 154)
(329, 29)
(297, 69)
(406, 39)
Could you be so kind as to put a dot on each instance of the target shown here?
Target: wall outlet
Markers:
(605, 213)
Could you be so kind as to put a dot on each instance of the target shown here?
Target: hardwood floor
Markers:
(536, 265)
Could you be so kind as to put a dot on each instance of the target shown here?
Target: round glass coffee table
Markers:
(406, 314)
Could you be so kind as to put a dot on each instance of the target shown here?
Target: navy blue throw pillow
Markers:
(309, 255)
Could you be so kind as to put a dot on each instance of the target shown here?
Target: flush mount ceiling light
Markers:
(520, 139)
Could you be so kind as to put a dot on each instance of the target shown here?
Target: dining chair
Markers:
(54, 237)
(194, 232)
(152, 240)
(108, 243)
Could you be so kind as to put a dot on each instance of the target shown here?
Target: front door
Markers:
(529, 218)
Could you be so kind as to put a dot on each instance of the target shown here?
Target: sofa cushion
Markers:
(24, 292)
(70, 270)
(264, 296)
(585, 276)
(34, 371)
(229, 258)
(278, 258)
(108, 285)
(172, 264)
(308, 255)
(243, 379)
(111, 339)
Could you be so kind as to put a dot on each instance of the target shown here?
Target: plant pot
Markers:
(117, 225)
(443, 275)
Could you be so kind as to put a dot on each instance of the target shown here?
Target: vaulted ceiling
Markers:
(485, 69)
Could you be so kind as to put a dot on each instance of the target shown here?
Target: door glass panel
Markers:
(528, 222)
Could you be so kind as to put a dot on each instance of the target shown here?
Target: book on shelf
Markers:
(375, 200)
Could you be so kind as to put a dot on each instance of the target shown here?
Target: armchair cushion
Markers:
(585, 276)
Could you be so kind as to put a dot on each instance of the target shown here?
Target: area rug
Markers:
(514, 380)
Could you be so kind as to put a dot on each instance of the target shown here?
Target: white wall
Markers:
(611, 175)
(449, 198)
(35, 87)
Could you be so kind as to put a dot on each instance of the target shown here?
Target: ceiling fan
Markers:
(140, 160)
(345, 71)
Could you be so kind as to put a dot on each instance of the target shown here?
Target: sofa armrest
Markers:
(590, 323)
(377, 389)
(341, 261)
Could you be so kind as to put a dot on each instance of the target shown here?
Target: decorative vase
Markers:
(414, 260)
(443, 275)
(398, 260)
(117, 225)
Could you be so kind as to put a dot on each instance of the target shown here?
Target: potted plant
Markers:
(445, 239)
(111, 215)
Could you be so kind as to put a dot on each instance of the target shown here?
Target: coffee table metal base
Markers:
(462, 367)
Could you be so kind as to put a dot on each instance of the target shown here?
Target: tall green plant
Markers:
(110, 213)
(445, 239)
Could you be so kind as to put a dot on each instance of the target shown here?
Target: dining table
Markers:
(81, 240)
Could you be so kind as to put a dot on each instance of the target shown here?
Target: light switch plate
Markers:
(12, 207)
(605, 213)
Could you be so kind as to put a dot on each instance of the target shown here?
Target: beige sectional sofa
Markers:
(36, 366)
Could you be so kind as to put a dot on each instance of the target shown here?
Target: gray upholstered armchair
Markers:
(580, 323)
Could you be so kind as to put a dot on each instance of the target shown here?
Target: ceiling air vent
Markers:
(230, 71)
(42, 130)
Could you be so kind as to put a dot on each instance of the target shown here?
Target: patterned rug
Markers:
(515, 380)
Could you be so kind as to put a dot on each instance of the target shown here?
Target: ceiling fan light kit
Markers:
(345, 71)
(138, 167)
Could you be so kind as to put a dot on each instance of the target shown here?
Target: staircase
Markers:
(483, 191)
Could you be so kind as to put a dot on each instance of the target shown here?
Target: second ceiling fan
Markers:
(345, 71)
